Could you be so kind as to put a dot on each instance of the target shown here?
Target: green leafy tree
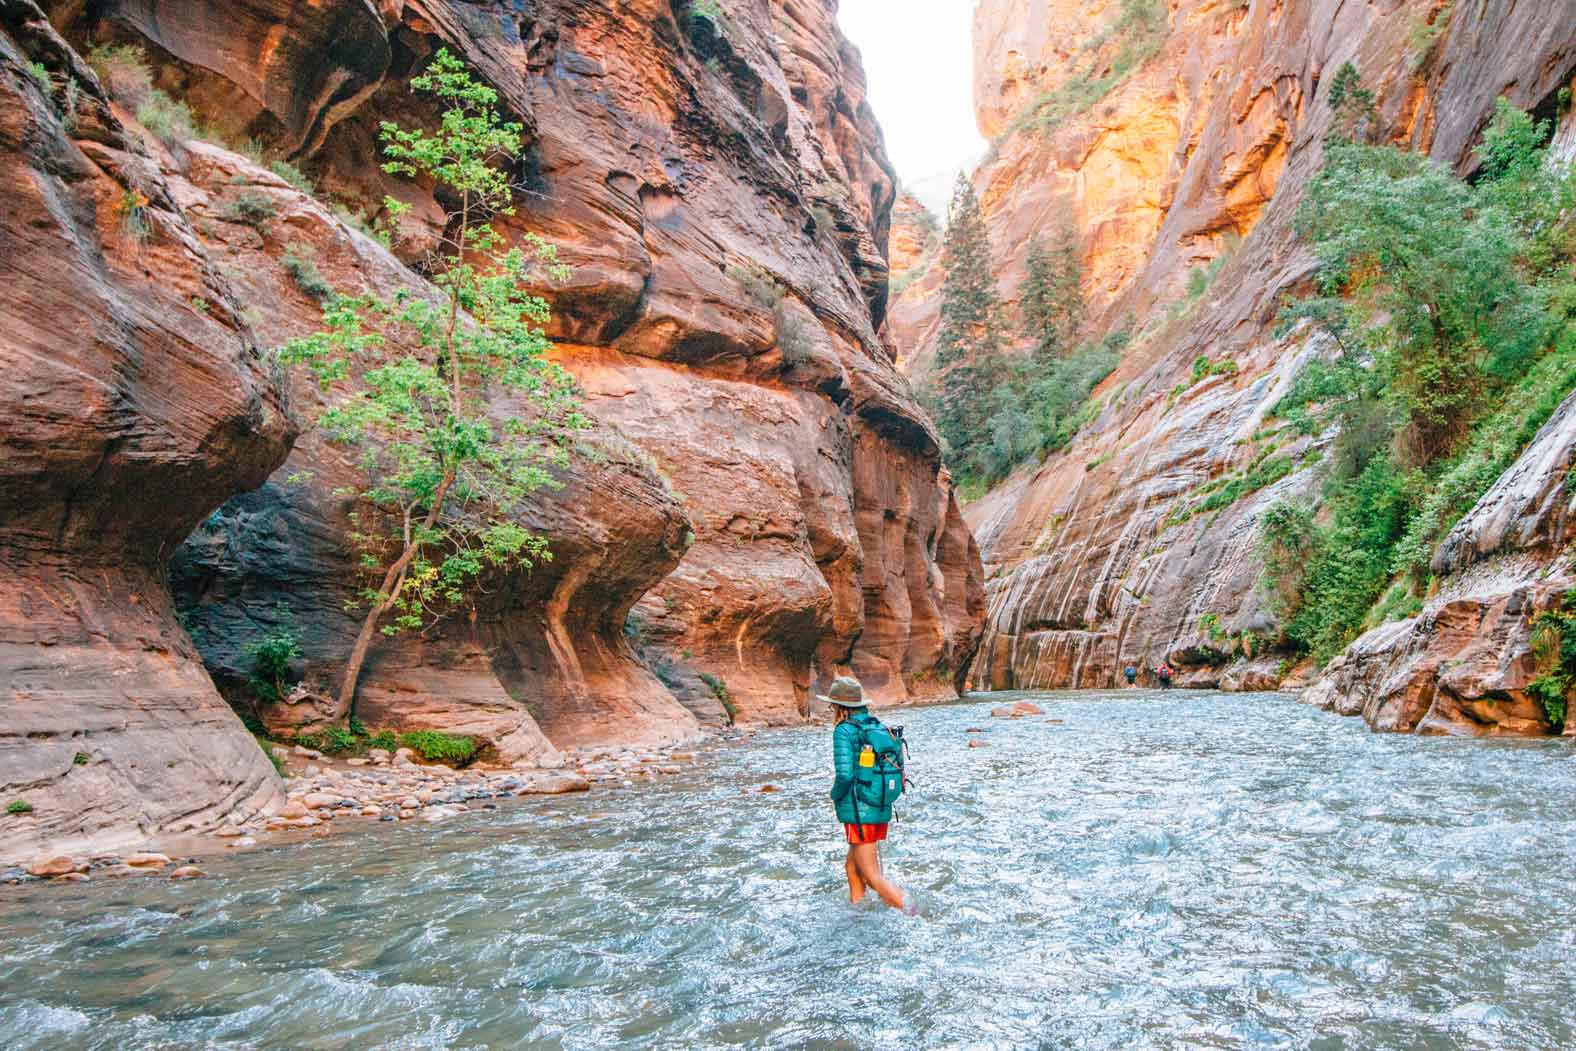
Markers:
(1424, 279)
(1051, 304)
(968, 355)
(1538, 196)
(1452, 309)
(1355, 111)
(456, 415)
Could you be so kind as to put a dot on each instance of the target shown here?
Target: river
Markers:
(1192, 870)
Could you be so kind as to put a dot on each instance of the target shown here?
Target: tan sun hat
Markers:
(845, 693)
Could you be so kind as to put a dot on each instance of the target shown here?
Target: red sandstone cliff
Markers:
(766, 489)
(1208, 141)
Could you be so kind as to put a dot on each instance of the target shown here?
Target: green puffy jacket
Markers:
(845, 763)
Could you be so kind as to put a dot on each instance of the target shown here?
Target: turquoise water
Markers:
(1205, 870)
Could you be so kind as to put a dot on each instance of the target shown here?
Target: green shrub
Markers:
(759, 285)
(383, 739)
(1550, 690)
(1554, 658)
(81, 759)
(825, 221)
(132, 212)
(168, 120)
(253, 208)
(795, 340)
(635, 629)
(719, 689)
(40, 75)
(271, 658)
(710, 10)
(1203, 367)
(338, 740)
(299, 264)
(435, 746)
(294, 176)
(19, 806)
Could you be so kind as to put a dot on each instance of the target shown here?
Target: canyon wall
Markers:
(1112, 550)
(125, 418)
(760, 506)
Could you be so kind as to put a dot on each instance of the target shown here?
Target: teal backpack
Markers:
(880, 784)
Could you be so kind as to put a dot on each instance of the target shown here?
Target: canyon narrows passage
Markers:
(1219, 870)
(1248, 351)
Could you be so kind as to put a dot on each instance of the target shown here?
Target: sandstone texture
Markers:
(760, 479)
(1100, 555)
(915, 310)
(126, 416)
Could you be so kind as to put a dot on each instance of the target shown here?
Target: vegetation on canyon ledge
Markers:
(1132, 38)
(1451, 309)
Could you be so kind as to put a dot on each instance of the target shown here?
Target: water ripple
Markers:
(1200, 871)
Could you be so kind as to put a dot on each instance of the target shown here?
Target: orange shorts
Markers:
(865, 833)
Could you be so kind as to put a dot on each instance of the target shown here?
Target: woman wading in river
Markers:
(868, 761)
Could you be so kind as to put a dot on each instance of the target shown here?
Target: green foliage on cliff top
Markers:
(1450, 307)
(1138, 31)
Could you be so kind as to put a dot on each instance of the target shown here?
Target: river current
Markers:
(1187, 870)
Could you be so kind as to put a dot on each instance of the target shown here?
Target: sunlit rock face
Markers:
(125, 417)
(776, 506)
(915, 309)
(1093, 559)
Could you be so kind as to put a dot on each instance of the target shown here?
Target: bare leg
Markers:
(856, 885)
(868, 862)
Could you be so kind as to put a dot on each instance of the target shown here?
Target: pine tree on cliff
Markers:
(1051, 304)
(1355, 111)
(411, 383)
(968, 354)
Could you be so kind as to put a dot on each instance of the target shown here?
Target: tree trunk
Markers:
(345, 706)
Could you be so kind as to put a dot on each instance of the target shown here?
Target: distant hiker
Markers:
(1130, 673)
(868, 760)
(1163, 673)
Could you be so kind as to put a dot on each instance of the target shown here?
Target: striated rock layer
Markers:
(760, 473)
(1101, 555)
(125, 418)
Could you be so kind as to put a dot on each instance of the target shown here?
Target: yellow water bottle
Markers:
(867, 756)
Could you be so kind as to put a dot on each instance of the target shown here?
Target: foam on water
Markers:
(1202, 870)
